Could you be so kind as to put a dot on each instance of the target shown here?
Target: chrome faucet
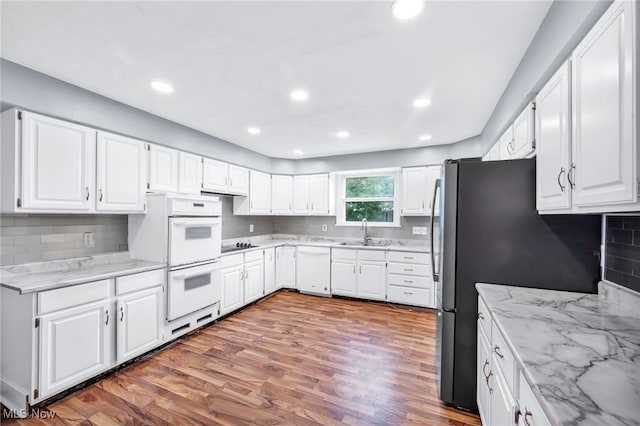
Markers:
(366, 237)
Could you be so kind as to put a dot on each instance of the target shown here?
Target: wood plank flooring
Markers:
(291, 359)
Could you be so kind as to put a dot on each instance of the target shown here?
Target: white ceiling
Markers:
(233, 65)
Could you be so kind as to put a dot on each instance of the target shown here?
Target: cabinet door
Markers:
(121, 174)
(553, 138)
(281, 194)
(319, 194)
(483, 370)
(414, 191)
(371, 280)
(253, 281)
(523, 133)
(603, 148)
(259, 193)
(139, 323)
(343, 277)
(58, 164)
(503, 405)
(74, 346)
(301, 195)
(286, 267)
(189, 173)
(232, 296)
(269, 271)
(238, 180)
(163, 169)
(215, 176)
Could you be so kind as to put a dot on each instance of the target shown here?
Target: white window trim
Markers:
(341, 196)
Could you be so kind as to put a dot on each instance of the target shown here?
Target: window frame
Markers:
(341, 199)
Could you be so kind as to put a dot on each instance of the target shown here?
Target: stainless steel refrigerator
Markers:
(491, 232)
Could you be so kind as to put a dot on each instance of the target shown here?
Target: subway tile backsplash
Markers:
(33, 238)
(622, 263)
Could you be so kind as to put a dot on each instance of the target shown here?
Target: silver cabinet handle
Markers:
(407, 293)
(121, 314)
(509, 148)
(230, 182)
(252, 204)
(408, 257)
(88, 193)
(106, 322)
(226, 181)
(497, 351)
(527, 413)
(307, 205)
(311, 206)
(354, 268)
(277, 255)
(408, 270)
(100, 199)
(570, 174)
(408, 281)
(486, 364)
(488, 385)
(360, 269)
(423, 204)
(270, 256)
(560, 183)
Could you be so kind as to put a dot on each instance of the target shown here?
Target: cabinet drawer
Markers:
(502, 356)
(530, 409)
(53, 300)
(484, 318)
(372, 255)
(231, 260)
(254, 255)
(409, 281)
(346, 254)
(409, 295)
(409, 269)
(135, 282)
(409, 257)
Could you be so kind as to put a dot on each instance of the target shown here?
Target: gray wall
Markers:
(562, 29)
(238, 226)
(32, 238)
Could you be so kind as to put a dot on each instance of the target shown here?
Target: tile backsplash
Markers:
(33, 238)
(622, 263)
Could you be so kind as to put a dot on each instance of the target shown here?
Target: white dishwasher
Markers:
(313, 270)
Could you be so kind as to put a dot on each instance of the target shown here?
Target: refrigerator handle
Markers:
(433, 210)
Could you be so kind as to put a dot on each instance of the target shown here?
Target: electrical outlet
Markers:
(88, 239)
(416, 230)
(324, 227)
(251, 227)
(423, 230)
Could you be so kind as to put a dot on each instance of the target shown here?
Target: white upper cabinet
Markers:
(259, 200)
(603, 146)
(417, 190)
(121, 174)
(523, 144)
(58, 164)
(553, 135)
(163, 169)
(224, 178)
(311, 194)
(189, 173)
(281, 194)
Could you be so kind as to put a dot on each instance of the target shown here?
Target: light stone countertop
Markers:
(40, 276)
(267, 241)
(580, 353)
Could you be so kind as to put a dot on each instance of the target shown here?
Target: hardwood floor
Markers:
(291, 359)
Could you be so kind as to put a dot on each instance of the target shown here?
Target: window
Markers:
(371, 195)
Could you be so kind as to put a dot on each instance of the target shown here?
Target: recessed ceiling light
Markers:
(161, 86)
(342, 134)
(421, 103)
(299, 95)
(425, 137)
(297, 152)
(406, 9)
(254, 130)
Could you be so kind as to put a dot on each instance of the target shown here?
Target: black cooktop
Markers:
(238, 246)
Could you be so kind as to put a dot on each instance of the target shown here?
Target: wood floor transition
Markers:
(292, 359)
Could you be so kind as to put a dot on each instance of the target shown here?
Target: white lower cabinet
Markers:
(286, 267)
(344, 272)
(358, 273)
(409, 279)
(242, 277)
(269, 270)
(74, 346)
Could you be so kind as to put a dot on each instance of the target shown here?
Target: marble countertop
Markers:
(266, 241)
(580, 353)
(34, 277)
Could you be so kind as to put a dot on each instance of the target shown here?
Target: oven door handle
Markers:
(195, 274)
(197, 224)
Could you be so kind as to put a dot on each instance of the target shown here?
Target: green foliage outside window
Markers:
(368, 187)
